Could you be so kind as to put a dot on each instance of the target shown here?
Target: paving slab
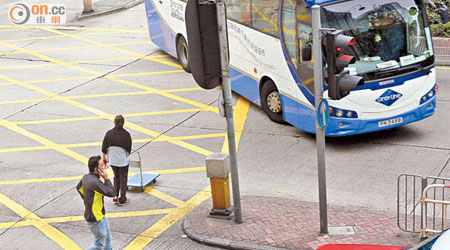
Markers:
(274, 223)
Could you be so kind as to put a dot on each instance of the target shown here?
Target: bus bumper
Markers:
(344, 127)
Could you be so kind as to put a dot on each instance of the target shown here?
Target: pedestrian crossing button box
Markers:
(218, 165)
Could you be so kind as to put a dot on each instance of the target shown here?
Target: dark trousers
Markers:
(120, 182)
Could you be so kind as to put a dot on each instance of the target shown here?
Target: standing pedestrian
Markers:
(116, 150)
(92, 191)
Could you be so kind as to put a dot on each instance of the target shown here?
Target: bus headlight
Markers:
(429, 95)
(342, 113)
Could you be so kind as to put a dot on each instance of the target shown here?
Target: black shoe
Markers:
(120, 204)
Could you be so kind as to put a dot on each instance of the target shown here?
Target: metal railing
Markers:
(422, 203)
(425, 201)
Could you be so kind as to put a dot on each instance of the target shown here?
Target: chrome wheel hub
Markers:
(274, 102)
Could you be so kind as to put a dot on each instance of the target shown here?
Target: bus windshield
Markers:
(392, 36)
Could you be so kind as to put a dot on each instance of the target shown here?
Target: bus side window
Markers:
(238, 11)
(290, 30)
(296, 24)
(304, 26)
(264, 16)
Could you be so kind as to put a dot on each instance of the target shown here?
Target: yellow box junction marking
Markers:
(47, 80)
(101, 113)
(167, 221)
(32, 221)
(77, 178)
(55, 37)
(174, 214)
(96, 61)
(46, 142)
(52, 233)
(89, 118)
(77, 28)
(76, 48)
(98, 95)
(162, 196)
(98, 74)
(98, 112)
(140, 242)
(77, 62)
(111, 47)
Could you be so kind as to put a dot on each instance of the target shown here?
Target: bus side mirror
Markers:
(443, 12)
(306, 52)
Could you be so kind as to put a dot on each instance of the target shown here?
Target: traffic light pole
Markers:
(226, 88)
(320, 132)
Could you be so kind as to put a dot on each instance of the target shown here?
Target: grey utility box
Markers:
(218, 165)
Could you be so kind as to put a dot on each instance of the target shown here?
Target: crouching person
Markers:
(92, 191)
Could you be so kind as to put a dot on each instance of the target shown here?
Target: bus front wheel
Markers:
(271, 102)
(183, 54)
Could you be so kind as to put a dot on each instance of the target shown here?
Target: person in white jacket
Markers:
(116, 150)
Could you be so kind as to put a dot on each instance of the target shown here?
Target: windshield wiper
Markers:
(417, 67)
(408, 68)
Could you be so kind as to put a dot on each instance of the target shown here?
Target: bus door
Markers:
(297, 31)
(159, 27)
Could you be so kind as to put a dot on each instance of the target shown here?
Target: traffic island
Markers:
(275, 223)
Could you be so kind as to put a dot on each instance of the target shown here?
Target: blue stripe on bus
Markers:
(160, 33)
(299, 115)
(303, 118)
(245, 86)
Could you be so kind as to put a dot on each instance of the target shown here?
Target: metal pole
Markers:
(87, 6)
(223, 38)
(320, 132)
(423, 209)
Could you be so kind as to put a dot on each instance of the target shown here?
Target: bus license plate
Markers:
(390, 122)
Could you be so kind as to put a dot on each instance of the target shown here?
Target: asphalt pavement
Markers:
(60, 89)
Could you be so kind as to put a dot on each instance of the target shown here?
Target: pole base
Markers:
(225, 214)
(87, 12)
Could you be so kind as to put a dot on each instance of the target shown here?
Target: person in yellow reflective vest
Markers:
(92, 191)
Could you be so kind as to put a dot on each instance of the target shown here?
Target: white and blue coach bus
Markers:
(393, 53)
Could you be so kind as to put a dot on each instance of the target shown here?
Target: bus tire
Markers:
(271, 101)
(183, 54)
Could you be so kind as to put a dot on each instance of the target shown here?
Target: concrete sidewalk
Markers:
(274, 223)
